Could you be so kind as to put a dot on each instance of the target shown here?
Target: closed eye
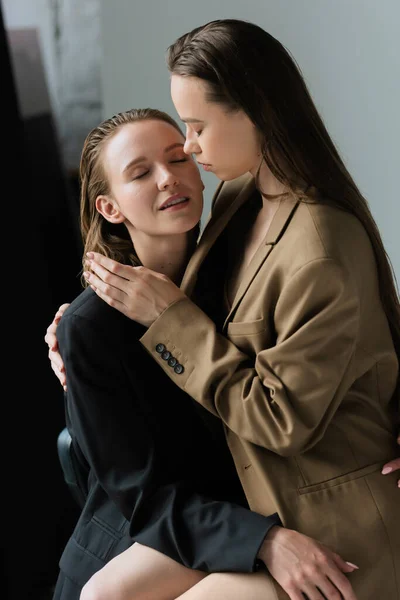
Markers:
(180, 160)
(140, 175)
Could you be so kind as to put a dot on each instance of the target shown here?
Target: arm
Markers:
(294, 560)
(316, 318)
(276, 399)
(172, 518)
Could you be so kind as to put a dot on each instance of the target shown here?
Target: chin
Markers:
(230, 174)
(188, 224)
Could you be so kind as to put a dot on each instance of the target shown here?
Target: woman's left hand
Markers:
(137, 292)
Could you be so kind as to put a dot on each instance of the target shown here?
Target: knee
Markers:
(93, 590)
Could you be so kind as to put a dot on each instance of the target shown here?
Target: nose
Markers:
(191, 145)
(166, 178)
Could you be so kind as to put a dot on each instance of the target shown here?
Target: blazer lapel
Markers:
(231, 197)
(274, 233)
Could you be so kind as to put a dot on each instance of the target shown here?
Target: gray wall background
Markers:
(348, 50)
(103, 56)
(68, 36)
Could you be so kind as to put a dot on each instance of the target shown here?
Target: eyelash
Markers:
(181, 160)
(140, 176)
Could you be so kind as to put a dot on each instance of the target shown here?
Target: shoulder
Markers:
(89, 311)
(320, 231)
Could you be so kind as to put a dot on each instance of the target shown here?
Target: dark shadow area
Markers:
(41, 260)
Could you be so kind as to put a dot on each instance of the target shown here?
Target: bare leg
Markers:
(140, 573)
(233, 586)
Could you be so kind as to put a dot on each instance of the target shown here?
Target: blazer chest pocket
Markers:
(236, 328)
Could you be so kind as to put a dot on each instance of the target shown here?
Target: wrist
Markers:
(271, 537)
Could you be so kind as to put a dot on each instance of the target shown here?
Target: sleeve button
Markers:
(160, 348)
(166, 355)
(172, 361)
(179, 369)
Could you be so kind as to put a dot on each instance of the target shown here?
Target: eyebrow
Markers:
(192, 120)
(140, 159)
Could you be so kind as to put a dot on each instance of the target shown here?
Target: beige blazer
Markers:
(303, 379)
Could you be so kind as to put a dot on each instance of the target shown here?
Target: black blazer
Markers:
(160, 472)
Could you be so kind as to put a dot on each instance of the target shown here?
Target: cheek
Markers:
(193, 177)
(136, 200)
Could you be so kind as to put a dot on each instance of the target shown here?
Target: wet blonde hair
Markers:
(98, 234)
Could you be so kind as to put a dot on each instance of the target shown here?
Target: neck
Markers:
(164, 254)
(270, 188)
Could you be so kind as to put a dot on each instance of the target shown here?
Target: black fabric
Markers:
(66, 589)
(219, 264)
(75, 473)
(157, 473)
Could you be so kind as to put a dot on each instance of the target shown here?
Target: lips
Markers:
(173, 201)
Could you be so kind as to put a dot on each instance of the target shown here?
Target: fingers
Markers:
(294, 594)
(313, 593)
(326, 589)
(56, 360)
(123, 271)
(108, 282)
(340, 580)
(341, 586)
(101, 284)
(61, 310)
(316, 585)
(50, 337)
(110, 297)
(321, 580)
(58, 370)
(392, 465)
(344, 566)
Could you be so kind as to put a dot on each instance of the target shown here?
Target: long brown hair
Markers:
(246, 68)
(98, 235)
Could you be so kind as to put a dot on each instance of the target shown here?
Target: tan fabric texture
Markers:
(303, 377)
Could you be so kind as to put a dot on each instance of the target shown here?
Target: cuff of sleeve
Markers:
(161, 340)
(273, 521)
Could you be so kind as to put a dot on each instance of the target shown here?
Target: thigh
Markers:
(233, 586)
(140, 573)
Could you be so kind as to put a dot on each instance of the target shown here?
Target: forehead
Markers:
(189, 96)
(147, 138)
(144, 135)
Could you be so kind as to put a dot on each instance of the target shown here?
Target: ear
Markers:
(109, 209)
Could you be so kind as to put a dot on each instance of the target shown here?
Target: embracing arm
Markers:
(292, 558)
(114, 436)
(284, 398)
(295, 385)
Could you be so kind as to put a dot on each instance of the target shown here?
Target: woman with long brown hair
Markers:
(287, 320)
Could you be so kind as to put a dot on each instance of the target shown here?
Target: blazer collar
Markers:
(232, 195)
(278, 225)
